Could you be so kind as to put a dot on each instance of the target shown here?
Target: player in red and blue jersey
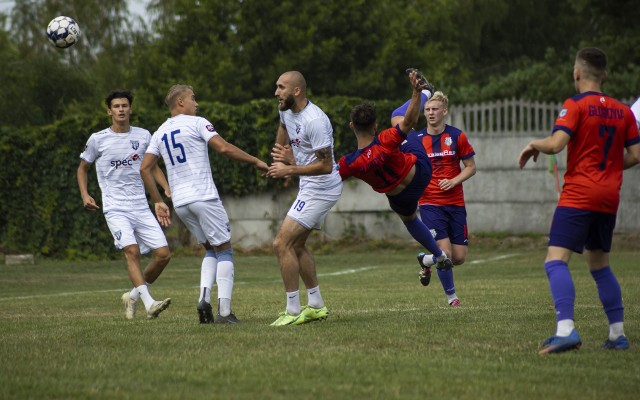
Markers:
(402, 175)
(596, 129)
(442, 205)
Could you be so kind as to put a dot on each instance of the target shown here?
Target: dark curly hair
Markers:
(118, 94)
(363, 116)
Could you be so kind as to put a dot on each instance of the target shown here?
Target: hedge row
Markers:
(40, 207)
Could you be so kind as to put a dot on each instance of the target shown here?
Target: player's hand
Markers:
(163, 214)
(283, 154)
(528, 152)
(277, 170)
(446, 184)
(262, 166)
(89, 204)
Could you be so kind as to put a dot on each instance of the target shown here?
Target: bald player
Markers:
(304, 148)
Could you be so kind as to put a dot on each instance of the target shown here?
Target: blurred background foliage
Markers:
(232, 52)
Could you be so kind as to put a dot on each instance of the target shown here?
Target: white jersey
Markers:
(182, 143)
(118, 157)
(309, 131)
(635, 108)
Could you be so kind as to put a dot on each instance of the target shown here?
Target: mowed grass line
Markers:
(63, 334)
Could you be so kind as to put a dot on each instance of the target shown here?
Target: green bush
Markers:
(40, 207)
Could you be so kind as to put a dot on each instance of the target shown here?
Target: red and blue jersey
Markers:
(381, 164)
(600, 128)
(445, 151)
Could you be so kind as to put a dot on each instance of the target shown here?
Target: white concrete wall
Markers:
(500, 198)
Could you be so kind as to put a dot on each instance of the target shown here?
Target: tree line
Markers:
(232, 51)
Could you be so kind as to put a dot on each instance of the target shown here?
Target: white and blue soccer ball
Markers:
(63, 32)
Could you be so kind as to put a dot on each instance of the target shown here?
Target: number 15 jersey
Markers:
(600, 128)
(182, 143)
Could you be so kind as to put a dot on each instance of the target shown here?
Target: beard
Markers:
(287, 104)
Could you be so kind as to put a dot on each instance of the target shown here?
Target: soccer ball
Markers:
(63, 32)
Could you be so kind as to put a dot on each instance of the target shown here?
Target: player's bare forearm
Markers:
(413, 111)
(282, 137)
(632, 156)
(235, 153)
(146, 173)
(159, 177)
(323, 166)
(88, 202)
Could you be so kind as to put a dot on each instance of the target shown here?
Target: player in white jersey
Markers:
(182, 143)
(117, 152)
(306, 131)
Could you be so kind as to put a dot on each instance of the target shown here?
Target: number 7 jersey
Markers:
(600, 128)
(182, 141)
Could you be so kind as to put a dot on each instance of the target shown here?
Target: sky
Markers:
(135, 6)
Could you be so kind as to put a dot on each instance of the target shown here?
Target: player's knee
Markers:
(132, 251)
(458, 260)
(162, 255)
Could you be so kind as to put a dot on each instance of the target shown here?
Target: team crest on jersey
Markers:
(135, 157)
(298, 129)
(135, 144)
(295, 142)
(448, 141)
(563, 112)
(118, 234)
(210, 128)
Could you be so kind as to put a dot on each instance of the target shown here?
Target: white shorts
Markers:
(207, 221)
(309, 210)
(136, 227)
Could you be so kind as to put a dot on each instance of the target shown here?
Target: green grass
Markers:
(63, 333)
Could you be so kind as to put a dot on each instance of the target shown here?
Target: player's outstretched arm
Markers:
(550, 145)
(235, 153)
(413, 111)
(322, 166)
(88, 202)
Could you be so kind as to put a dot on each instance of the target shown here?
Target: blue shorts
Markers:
(446, 222)
(576, 229)
(406, 202)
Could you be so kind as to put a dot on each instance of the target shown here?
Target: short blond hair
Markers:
(441, 97)
(175, 92)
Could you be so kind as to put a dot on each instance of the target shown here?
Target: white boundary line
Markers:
(338, 273)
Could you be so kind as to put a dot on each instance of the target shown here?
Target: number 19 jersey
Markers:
(600, 128)
(182, 143)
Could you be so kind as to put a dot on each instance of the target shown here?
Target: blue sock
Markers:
(563, 291)
(610, 294)
(446, 279)
(421, 233)
(402, 110)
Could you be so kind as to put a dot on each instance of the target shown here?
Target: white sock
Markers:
(207, 276)
(224, 279)
(429, 260)
(452, 297)
(315, 298)
(293, 302)
(145, 296)
(616, 330)
(134, 294)
(224, 307)
(565, 327)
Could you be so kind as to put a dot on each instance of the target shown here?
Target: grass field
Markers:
(63, 333)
